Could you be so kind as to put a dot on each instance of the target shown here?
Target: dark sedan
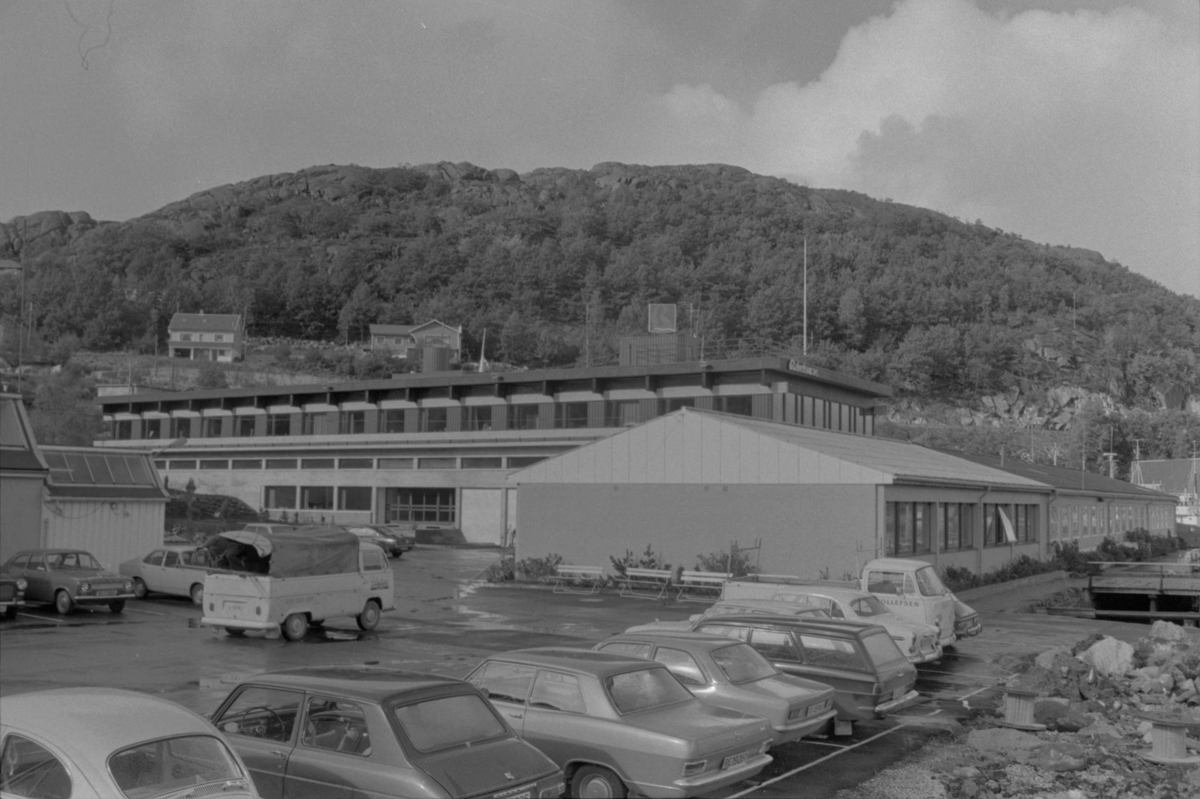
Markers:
(66, 578)
(363, 731)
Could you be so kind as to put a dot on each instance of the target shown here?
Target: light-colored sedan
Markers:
(618, 724)
(918, 641)
(105, 743)
(175, 570)
(732, 675)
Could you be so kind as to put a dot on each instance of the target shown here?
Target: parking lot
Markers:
(445, 622)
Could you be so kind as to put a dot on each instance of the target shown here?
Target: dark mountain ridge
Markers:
(557, 263)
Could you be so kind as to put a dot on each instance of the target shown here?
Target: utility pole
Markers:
(805, 330)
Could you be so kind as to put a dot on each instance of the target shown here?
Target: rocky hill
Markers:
(974, 327)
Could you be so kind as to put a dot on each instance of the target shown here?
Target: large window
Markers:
(393, 421)
(433, 420)
(570, 415)
(957, 530)
(420, 505)
(354, 498)
(316, 497)
(181, 427)
(1010, 524)
(212, 427)
(740, 405)
(523, 417)
(908, 527)
(152, 428)
(279, 497)
(477, 417)
(245, 426)
(622, 413)
(352, 422)
(279, 424)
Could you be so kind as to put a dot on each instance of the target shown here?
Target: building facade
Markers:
(23, 473)
(437, 449)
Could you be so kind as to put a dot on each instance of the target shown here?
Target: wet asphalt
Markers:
(445, 621)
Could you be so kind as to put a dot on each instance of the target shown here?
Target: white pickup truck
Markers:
(911, 589)
(288, 580)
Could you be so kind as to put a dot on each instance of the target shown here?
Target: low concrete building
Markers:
(822, 502)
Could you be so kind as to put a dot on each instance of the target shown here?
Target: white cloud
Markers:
(1073, 128)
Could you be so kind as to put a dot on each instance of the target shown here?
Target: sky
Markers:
(1073, 122)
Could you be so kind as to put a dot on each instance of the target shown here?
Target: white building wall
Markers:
(113, 531)
(481, 517)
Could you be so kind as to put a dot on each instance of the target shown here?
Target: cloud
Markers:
(1071, 128)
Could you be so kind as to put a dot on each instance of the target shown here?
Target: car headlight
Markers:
(22, 584)
(84, 588)
(128, 585)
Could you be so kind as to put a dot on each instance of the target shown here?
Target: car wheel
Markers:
(294, 627)
(139, 588)
(597, 782)
(117, 606)
(235, 632)
(63, 602)
(369, 618)
(197, 594)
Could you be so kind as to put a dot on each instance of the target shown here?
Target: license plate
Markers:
(520, 792)
(817, 709)
(110, 592)
(735, 760)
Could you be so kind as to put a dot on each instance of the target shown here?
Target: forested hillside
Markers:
(559, 260)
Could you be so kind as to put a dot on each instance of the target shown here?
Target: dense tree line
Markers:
(557, 264)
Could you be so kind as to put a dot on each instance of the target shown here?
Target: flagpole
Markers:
(806, 295)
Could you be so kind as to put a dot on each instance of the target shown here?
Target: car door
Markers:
(152, 570)
(507, 688)
(556, 719)
(177, 578)
(260, 723)
(333, 755)
(41, 584)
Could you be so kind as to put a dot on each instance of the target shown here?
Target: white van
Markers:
(289, 580)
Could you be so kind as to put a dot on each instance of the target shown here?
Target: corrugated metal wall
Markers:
(112, 531)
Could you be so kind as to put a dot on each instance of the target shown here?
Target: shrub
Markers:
(719, 562)
(647, 560)
(526, 570)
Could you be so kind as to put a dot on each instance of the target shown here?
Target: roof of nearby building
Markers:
(207, 322)
(391, 330)
(438, 323)
(1063, 479)
(694, 446)
(111, 474)
(18, 447)
(1177, 476)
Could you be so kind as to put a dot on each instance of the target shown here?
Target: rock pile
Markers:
(1095, 700)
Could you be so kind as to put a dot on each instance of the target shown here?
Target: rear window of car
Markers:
(449, 721)
(644, 689)
(740, 663)
(883, 650)
(171, 764)
(832, 653)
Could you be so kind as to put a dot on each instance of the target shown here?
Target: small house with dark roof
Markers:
(403, 339)
(207, 337)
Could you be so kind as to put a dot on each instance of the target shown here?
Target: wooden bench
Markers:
(645, 583)
(570, 579)
(701, 586)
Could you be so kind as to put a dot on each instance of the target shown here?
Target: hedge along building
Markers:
(822, 502)
(438, 449)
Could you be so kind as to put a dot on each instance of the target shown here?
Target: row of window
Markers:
(486, 462)
(1073, 522)
(915, 527)
(399, 504)
(469, 418)
(199, 337)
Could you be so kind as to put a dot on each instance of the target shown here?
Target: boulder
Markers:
(1109, 656)
(1167, 631)
(1060, 717)
(1002, 742)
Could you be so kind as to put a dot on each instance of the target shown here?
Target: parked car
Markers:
(870, 676)
(101, 743)
(175, 570)
(617, 724)
(362, 731)
(733, 675)
(917, 640)
(69, 577)
(12, 594)
(389, 539)
(733, 608)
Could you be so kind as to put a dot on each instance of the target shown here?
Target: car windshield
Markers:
(66, 561)
(741, 664)
(883, 650)
(868, 606)
(928, 582)
(167, 765)
(644, 689)
(449, 721)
